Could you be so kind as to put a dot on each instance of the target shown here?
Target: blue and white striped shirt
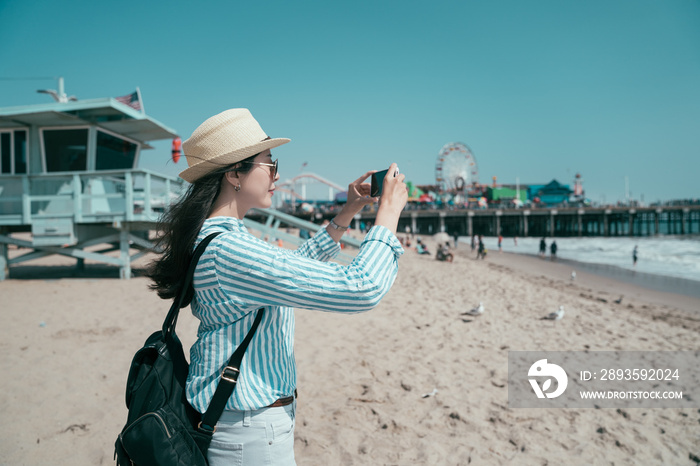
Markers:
(239, 273)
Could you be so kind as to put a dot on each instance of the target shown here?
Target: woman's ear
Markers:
(232, 178)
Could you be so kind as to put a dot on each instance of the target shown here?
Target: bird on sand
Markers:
(557, 315)
(477, 311)
(618, 301)
(573, 275)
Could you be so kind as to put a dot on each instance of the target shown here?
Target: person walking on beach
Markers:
(634, 256)
(543, 247)
(481, 253)
(553, 250)
(500, 243)
(231, 170)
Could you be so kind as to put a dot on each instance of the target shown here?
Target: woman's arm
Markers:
(252, 273)
(393, 200)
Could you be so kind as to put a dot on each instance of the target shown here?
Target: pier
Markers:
(560, 220)
(557, 222)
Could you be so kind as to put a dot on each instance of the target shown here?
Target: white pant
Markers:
(259, 437)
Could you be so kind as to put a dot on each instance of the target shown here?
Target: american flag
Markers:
(132, 100)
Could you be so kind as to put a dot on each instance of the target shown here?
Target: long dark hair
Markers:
(178, 229)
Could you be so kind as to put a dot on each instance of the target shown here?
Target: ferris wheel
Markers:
(456, 167)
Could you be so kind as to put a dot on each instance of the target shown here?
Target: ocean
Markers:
(667, 256)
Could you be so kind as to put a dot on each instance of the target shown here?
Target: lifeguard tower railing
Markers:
(69, 212)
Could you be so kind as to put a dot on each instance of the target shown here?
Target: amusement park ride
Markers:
(457, 178)
(296, 189)
(456, 169)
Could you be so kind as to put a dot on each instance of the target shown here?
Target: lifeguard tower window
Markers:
(13, 152)
(114, 153)
(65, 149)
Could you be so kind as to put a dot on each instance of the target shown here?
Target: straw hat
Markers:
(223, 139)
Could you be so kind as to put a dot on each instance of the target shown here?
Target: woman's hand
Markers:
(358, 197)
(394, 191)
(393, 200)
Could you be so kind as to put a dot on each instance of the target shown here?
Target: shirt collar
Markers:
(214, 224)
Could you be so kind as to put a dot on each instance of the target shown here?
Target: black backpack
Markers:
(162, 428)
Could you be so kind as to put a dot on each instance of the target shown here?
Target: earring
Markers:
(237, 188)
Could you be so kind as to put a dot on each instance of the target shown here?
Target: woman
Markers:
(231, 171)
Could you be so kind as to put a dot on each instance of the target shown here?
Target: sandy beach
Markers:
(68, 341)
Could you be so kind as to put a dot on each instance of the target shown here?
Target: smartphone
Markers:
(377, 183)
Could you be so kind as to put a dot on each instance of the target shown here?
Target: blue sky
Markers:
(537, 89)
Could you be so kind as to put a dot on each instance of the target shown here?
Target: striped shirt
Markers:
(239, 273)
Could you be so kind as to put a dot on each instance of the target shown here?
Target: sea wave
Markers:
(672, 256)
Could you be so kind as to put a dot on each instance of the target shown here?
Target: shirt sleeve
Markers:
(320, 247)
(252, 273)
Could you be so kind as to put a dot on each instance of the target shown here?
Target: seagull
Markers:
(477, 311)
(433, 393)
(573, 275)
(558, 315)
(618, 301)
(62, 98)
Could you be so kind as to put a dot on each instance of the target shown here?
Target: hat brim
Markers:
(204, 167)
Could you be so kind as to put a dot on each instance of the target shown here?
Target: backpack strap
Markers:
(229, 376)
(227, 383)
(171, 319)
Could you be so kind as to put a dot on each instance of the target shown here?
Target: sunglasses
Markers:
(273, 169)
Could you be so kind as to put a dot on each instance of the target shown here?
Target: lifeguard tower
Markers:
(69, 181)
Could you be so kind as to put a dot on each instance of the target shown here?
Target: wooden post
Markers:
(26, 201)
(147, 210)
(580, 222)
(526, 217)
(4, 259)
(552, 226)
(684, 214)
(606, 227)
(128, 181)
(657, 214)
(124, 258)
(77, 199)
